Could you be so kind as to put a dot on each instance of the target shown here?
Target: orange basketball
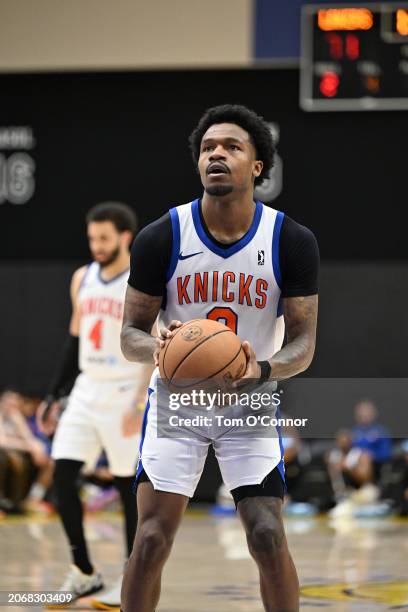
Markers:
(202, 350)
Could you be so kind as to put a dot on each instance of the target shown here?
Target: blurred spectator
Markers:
(356, 461)
(395, 480)
(370, 436)
(98, 492)
(308, 482)
(349, 467)
(28, 468)
(404, 496)
(4, 470)
(291, 446)
(29, 407)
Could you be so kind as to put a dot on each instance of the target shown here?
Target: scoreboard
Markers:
(354, 57)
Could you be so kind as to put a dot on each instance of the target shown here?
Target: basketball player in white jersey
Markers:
(229, 258)
(102, 408)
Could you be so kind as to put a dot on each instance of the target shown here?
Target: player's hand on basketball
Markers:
(165, 333)
(47, 416)
(253, 369)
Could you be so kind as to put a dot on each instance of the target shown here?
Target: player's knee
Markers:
(266, 542)
(153, 543)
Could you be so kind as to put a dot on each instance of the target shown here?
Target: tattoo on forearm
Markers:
(140, 313)
(300, 321)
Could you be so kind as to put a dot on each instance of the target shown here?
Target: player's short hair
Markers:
(249, 121)
(121, 215)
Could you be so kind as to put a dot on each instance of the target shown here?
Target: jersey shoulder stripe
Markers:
(175, 226)
(275, 247)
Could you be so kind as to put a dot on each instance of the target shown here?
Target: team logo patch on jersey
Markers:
(261, 258)
(192, 332)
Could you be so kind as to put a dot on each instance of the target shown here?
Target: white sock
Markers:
(37, 492)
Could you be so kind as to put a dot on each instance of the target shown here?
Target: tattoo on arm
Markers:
(139, 315)
(300, 314)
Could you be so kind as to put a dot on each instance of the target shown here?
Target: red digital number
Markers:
(352, 47)
(95, 335)
(335, 43)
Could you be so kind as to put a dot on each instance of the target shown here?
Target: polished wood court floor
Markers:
(350, 566)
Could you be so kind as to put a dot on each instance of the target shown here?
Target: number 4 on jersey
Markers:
(95, 335)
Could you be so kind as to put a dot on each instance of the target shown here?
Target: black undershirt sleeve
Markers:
(150, 257)
(298, 258)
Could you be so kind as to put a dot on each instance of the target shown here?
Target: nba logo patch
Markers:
(261, 258)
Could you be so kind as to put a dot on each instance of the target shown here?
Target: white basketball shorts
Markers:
(176, 464)
(92, 422)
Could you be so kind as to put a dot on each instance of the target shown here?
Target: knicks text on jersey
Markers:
(238, 285)
(101, 310)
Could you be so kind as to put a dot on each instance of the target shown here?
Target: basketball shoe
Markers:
(110, 599)
(79, 584)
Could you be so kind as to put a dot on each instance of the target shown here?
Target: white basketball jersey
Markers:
(238, 285)
(101, 308)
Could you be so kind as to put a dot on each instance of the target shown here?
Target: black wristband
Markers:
(265, 371)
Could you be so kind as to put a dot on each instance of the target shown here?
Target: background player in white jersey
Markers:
(102, 409)
(225, 257)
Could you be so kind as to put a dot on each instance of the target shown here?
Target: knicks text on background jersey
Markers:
(101, 309)
(238, 285)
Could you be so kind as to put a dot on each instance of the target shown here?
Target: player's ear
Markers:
(257, 168)
(127, 237)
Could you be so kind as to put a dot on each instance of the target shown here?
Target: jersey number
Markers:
(224, 315)
(95, 335)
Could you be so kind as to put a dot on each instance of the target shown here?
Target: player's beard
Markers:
(218, 190)
(110, 258)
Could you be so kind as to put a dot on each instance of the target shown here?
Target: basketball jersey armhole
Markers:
(86, 274)
(175, 249)
(275, 248)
